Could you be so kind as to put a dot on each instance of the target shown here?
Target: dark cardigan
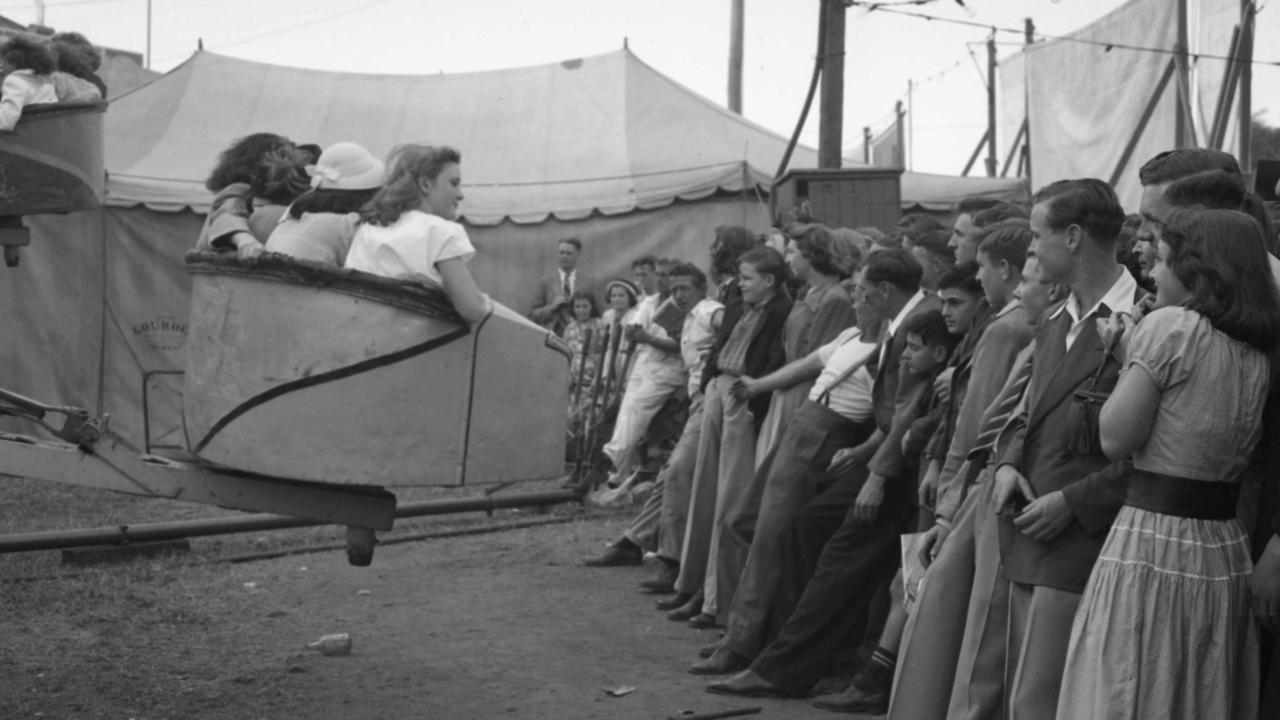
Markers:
(765, 353)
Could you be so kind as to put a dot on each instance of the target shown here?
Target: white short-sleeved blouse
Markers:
(409, 248)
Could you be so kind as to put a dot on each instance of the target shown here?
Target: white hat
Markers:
(347, 166)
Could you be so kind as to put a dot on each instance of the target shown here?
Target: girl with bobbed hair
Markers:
(408, 232)
(253, 182)
(822, 311)
(26, 65)
(1164, 627)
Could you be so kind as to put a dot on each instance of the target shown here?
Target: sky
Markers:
(687, 40)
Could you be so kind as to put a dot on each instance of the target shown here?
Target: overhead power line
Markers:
(879, 7)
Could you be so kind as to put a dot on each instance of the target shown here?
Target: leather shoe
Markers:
(722, 662)
(687, 610)
(704, 621)
(855, 700)
(662, 583)
(830, 685)
(674, 601)
(746, 684)
(616, 555)
(707, 651)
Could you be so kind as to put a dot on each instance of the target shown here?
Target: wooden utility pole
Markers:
(991, 105)
(831, 111)
(737, 26)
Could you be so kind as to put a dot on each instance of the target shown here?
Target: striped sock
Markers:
(877, 674)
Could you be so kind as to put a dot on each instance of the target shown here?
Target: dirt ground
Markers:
(507, 625)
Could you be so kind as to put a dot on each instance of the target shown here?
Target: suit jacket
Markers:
(975, 385)
(548, 315)
(894, 397)
(1039, 447)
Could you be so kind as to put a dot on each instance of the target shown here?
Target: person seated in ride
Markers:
(321, 224)
(26, 65)
(254, 181)
(407, 231)
(76, 56)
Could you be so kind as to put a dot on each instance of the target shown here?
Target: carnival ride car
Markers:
(309, 390)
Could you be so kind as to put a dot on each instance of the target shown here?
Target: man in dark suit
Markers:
(844, 542)
(553, 306)
(1056, 491)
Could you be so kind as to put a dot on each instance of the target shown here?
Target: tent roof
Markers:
(605, 134)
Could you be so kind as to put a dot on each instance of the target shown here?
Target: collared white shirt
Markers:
(571, 277)
(898, 320)
(696, 339)
(1119, 299)
(649, 359)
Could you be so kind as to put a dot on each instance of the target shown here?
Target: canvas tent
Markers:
(603, 148)
(1127, 57)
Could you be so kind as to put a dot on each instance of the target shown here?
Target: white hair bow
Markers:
(320, 173)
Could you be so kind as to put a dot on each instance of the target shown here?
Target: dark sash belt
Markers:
(1182, 497)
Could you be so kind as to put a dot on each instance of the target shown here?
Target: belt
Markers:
(1182, 497)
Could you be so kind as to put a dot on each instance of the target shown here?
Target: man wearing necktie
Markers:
(553, 305)
(1055, 490)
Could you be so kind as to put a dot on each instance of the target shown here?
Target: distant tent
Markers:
(602, 148)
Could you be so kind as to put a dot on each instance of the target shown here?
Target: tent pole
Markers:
(1024, 158)
(901, 155)
(1222, 108)
(992, 153)
(1248, 12)
(974, 157)
(911, 125)
(1013, 149)
(1183, 131)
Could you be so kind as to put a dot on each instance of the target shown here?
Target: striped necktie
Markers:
(1002, 410)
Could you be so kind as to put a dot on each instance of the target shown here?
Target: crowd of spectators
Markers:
(1020, 464)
